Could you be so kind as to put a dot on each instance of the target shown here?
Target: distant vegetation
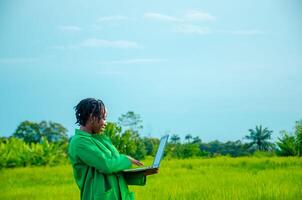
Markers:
(45, 143)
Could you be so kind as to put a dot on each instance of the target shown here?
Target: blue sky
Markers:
(213, 69)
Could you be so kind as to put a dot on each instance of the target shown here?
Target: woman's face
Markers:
(98, 125)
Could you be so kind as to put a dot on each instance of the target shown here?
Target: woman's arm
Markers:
(95, 157)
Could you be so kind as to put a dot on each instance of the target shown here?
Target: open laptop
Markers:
(157, 158)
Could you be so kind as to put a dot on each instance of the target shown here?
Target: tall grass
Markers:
(214, 178)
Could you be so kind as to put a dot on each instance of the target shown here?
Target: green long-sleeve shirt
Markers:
(97, 167)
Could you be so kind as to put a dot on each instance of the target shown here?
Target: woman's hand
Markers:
(135, 162)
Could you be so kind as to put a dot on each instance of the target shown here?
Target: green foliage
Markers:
(32, 132)
(190, 150)
(175, 139)
(17, 153)
(186, 150)
(151, 145)
(188, 138)
(286, 144)
(298, 134)
(196, 140)
(231, 148)
(127, 142)
(260, 138)
(131, 121)
(45, 143)
(291, 144)
(28, 131)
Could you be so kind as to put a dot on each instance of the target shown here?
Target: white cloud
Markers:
(161, 17)
(134, 61)
(113, 18)
(198, 16)
(190, 23)
(190, 16)
(98, 43)
(16, 60)
(244, 32)
(123, 44)
(194, 29)
(70, 28)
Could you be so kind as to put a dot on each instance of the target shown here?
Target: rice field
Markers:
(196, 178)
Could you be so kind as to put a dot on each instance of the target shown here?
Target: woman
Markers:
(96, 163)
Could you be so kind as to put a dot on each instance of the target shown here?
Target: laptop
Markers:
(157, 158)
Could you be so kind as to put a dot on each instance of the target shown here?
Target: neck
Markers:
(86, 129)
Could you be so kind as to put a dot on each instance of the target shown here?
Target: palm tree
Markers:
(260, 138)
(196, 140)
(188, 137)
(175, 139)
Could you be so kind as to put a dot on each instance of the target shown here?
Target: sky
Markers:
(212, 69)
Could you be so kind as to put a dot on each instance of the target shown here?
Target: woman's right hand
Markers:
(135, 162)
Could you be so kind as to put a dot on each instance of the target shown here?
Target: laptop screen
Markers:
(160, 151)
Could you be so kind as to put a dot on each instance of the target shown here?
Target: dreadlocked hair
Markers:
(87, 107)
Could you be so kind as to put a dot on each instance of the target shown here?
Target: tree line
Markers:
(45, 143)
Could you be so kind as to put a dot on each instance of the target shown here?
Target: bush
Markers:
(16, 153)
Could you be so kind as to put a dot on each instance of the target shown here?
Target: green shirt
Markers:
(97, 167)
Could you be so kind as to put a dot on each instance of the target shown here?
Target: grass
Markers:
(214, 179)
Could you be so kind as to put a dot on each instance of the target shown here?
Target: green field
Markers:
(215, 178)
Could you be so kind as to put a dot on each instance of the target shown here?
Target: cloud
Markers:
(134, 61)
(17, 60)
(113, 18)
(189, 16)
(99, 43)
(198, 16)
(190, 23)
(248, 32)
(192, 29)
(161, 17)
(70, 28)
(123, 44)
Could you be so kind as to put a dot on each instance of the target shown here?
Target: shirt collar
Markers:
(82, 133)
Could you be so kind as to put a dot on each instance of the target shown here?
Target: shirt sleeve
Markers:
(135, 178)
(93, 156)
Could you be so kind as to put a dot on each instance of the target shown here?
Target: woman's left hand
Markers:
(135, 162)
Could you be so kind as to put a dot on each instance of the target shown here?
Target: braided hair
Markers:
(89, 107)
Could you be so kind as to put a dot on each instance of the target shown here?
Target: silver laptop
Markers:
(157, 158)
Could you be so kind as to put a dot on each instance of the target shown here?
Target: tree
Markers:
(298, 134)
(196, 140)
(189, 150)
(188, 137)
(260, 138)
(127, 142)
(175, 139)
(113, 131)
(151, 145)
(53, 131)
(28, 131)
(32, 132)
(131, 120)
(286, 144)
